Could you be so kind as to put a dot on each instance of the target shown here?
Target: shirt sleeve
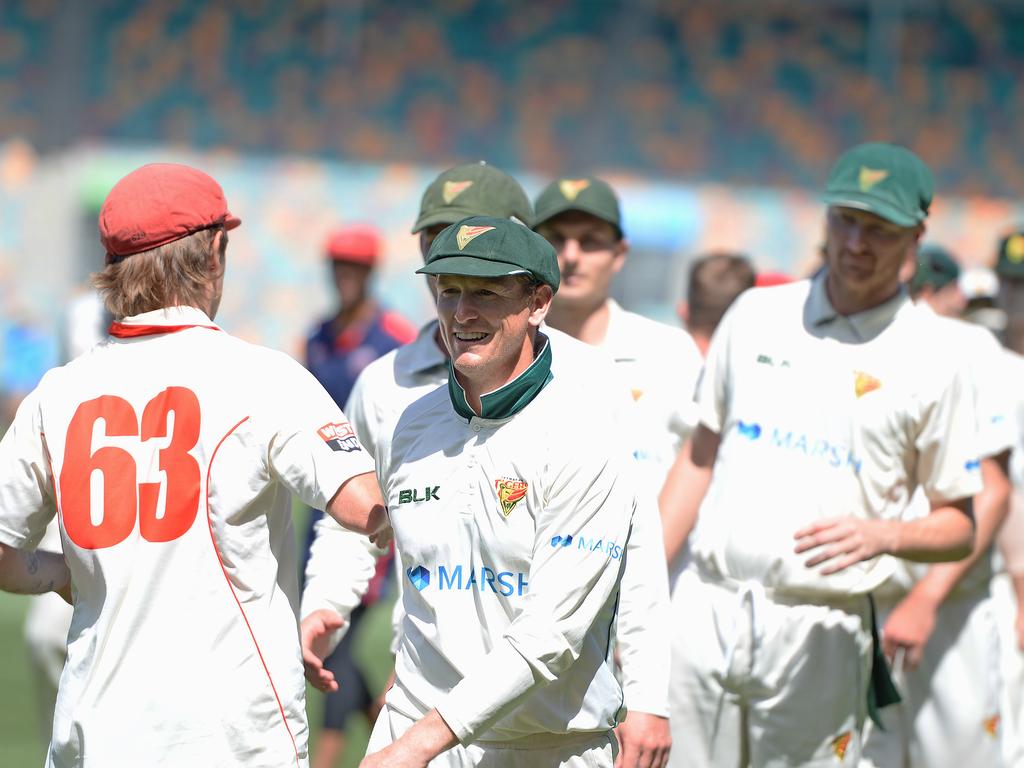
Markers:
(688, 365)
(338, 572)
(362, 413)
(712, 388)
(948, 466)
(571, 590)
(313, 448)
(26, 490)
(643, 624)
(995, 401)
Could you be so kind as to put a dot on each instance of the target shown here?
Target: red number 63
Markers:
(124, 498)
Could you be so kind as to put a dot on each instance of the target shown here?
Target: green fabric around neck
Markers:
(509, 399)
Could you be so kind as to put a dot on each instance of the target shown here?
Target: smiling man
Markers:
(511, 507)
(821, 411)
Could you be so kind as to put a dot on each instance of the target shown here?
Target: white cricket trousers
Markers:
(949, 716)
(764, 680)
(578, 750)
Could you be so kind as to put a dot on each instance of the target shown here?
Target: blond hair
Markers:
(173, 274)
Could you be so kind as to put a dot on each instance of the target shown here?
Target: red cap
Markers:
(158, 204)
(357, 244)
(768, 279)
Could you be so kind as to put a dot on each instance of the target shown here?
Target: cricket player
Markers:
(821, 410)
(390, 384)
(657, 363)
(715, 281)
(511, 507)
(938, 621)
(169, 455)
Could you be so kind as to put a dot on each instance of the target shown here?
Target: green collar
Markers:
(509, 399)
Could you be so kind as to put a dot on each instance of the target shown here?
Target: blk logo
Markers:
(419, 576)
(413, 496)
(561, 541)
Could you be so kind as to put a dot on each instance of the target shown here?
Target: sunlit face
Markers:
(485, 324)
(865, 252)
(590, 252)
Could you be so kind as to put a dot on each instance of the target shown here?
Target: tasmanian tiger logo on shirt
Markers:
(510, 493)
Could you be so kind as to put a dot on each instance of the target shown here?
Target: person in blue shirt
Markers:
(337, 350)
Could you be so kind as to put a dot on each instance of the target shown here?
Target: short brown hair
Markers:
(174, 274)
(715, 281)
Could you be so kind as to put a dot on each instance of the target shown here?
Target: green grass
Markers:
(21, 741)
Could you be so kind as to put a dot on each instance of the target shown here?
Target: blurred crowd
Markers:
(742, 92)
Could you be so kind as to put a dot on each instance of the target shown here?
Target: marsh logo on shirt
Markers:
(834, 454)
(460, 578)
(510, 492)
(339, 436)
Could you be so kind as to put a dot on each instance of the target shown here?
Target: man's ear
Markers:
(621, 250)
(216, 260)
(683, 312)
(540, 303)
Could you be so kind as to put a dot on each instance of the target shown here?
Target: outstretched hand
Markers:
(315, 634)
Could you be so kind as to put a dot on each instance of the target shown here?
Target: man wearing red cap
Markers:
(336, 352)
(169, 456)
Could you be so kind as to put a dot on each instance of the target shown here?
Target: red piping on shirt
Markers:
(245, 618)
(128, 331)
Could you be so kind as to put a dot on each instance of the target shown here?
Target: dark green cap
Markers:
(588, 194)
(486, 246)
(1011, 256)
(885, 179)
(936, 267)
(473, 189)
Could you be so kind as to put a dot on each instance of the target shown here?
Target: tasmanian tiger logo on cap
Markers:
(339, 436)
(841, 743)
(467, 234)
(869, 177)
(570, 188)
(453, 189)
(510, 493)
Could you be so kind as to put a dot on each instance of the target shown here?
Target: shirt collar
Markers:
(509, 399)
(819, 312)
(422, 354)
(165, 320)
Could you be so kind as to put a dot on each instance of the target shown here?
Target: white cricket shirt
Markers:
(821, 416)
(511, 533)
(386, 387)
(170, 455)
(659, 366)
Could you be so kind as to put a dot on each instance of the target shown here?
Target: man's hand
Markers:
(844, 541)
(382, 538)
(315, 635)
(908, 628)
(644, 741)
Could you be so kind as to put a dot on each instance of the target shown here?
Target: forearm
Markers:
(32, 572)
(944, 535)
(358, 505)
(340, 566)
(427, 738)
(990, 508)
(684, 489)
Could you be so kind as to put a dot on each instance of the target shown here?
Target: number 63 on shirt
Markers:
(124, 498)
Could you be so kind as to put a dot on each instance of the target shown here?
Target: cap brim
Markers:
(447, 216)
(573, 206)
(230, 222)
(871, 204)
(470, 266)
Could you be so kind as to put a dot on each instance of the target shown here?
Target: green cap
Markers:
(885, 179)
(486, 246)
(473, 189)
(587, 194)
(936, 267)
(1010, 262)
